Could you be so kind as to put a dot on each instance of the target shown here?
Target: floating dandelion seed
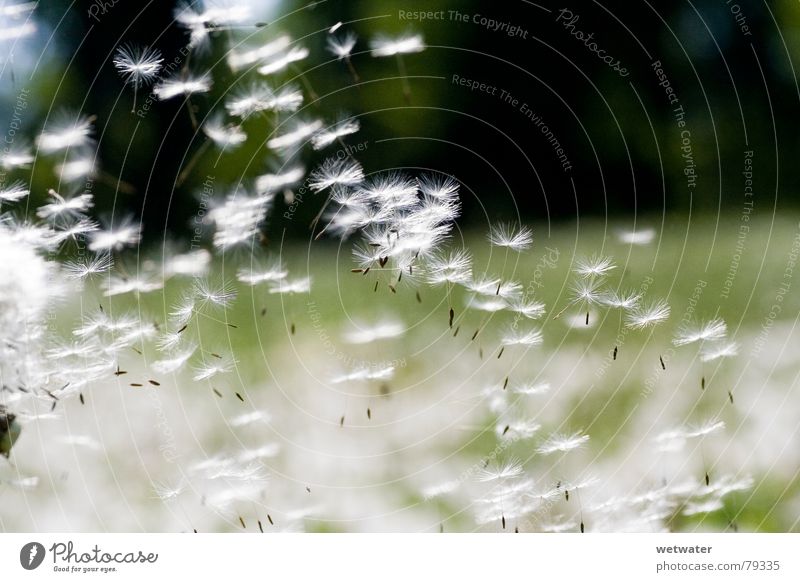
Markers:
(338, 130)
(138, 66)
(586, 292)
(637, 237)
(511, 237)
(715, 329)
(224, 136)
(14, 192)
(562, 443)
(624, 301)
(336, 172)
(596, 266)
(509, 469)
(383, 46)
(182, 85)
(341, 47)
(83, 269)
(645, 316)
(65, 132)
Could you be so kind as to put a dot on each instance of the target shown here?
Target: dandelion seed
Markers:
(268, 183)
(224, 136)
(76, 169)
(238, 60)
(221, 295)
(597, 266)
(115, 238)
(364, 334)
(637, 237)
(727, 350)
(336, 172)
(648, 315)
(383, 46)
(297, 286)
(16, 156)
(65, 132)
(510, 469)
(518, 337)
(181, 85)
(342, 46)
(562, 443)
(297, 134)
(511, 237)
(279, 62)
(14, 192)
(340, 129)
(713, 330)
(138, 66)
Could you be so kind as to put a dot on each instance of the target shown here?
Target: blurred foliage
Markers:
(738, 90)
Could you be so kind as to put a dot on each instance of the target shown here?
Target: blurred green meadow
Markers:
(434, 419)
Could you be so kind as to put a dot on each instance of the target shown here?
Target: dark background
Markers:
(739, 93)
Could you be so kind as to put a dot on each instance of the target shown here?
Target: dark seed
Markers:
(269, 517)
